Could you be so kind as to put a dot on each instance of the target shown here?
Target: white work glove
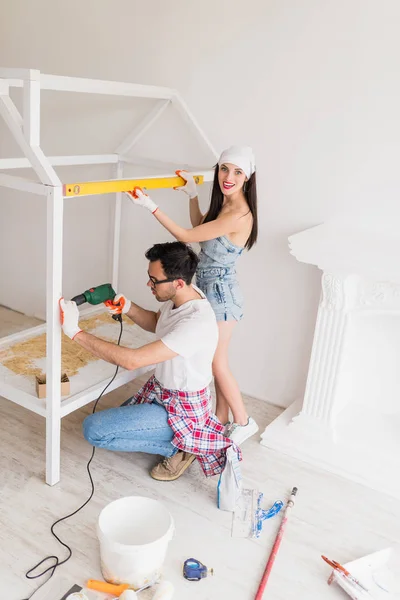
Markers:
(69, 315)
(120, 305)
(190, 187)
(139, 198)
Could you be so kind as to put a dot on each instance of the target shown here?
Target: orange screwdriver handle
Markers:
(107, 588)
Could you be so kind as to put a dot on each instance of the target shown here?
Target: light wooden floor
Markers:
(332, 516)
(12, 322)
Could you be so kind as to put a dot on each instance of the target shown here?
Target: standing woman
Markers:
(229, 226)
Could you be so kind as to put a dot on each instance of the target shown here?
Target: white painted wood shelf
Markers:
(91, 379)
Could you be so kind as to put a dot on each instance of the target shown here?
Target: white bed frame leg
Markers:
(119, 170)
(55, 203)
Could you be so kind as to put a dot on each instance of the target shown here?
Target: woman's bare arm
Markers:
(224, 225)
(196, 216)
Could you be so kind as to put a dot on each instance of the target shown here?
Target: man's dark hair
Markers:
(178, 260)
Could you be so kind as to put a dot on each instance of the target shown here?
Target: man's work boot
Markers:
(170, 469)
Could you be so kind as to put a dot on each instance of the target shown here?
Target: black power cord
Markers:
(57, 561)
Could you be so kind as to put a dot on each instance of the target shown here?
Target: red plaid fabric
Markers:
(196, 429)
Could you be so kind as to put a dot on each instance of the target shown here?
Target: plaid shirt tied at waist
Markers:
(196, 429)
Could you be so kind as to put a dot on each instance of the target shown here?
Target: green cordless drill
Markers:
(97, 295)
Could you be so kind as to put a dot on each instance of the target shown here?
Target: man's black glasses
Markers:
(155, 281)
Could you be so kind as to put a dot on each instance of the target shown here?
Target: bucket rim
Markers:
(169, 532)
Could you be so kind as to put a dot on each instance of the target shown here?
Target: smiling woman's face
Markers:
(230, 178)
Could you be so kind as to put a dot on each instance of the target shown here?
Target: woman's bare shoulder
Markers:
(236, 211)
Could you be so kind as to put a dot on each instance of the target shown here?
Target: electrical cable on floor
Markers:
(57, 561)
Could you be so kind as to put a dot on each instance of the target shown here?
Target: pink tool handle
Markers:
(275, 547)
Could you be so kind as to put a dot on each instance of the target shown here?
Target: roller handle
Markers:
(107, 588)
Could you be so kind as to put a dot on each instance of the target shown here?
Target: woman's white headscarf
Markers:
(241, 156)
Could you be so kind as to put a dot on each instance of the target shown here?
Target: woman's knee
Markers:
(220, 366)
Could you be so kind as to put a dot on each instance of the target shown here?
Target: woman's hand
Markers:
(190, 187)
(139, 198)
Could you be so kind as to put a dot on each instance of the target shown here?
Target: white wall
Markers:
(313, 86)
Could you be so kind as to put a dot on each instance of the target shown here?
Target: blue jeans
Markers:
(133, 428)
(223, 293)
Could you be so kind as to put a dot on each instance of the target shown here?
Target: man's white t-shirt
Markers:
(191, 331)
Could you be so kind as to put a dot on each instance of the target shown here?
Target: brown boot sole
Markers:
(177, 475)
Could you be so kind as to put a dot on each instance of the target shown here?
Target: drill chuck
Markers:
(80, 299)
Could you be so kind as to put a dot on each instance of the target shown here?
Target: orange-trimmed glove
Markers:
(69, 316)
(139, 198)
(190, 187)
(120, 305)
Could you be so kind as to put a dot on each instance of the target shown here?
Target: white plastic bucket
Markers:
(133, 533)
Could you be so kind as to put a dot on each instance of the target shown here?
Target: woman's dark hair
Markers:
(178, 260)
(217, 199)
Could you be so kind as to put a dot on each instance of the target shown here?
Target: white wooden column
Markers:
(319, 406)
(55, 202)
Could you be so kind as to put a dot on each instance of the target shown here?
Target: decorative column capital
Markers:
(333, 296)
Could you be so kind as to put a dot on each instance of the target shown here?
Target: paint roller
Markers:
(164, 591)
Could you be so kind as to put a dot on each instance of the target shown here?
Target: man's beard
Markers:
(165, 298)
